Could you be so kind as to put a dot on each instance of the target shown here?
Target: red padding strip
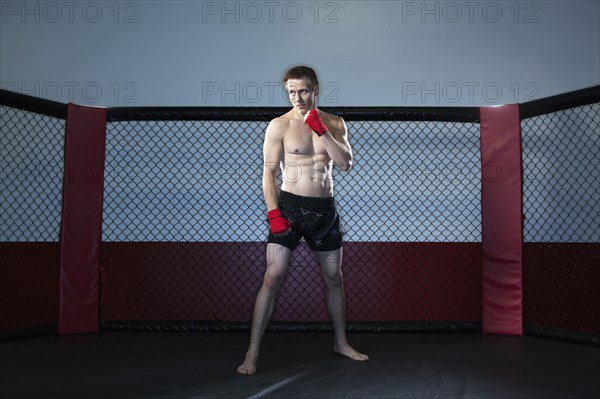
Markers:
(501, 212)
(81, 229)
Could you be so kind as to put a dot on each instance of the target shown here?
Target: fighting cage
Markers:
(561, 205)
(184, 227)
(31, 171)
(185, 222)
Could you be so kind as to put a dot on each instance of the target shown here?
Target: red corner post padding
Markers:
(81, 229)
(501, 213)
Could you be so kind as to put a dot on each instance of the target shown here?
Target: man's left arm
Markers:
(334, 136)
(337, 144)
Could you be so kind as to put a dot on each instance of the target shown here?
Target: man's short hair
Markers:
(299, 72)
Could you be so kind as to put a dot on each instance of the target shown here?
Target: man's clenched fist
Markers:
(313, 120)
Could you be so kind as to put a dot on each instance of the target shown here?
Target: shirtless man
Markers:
(304, 144)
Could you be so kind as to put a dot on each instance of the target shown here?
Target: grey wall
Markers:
(388, 53)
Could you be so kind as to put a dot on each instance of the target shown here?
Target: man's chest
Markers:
(303, 142)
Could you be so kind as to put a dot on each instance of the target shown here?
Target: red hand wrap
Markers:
(278, 223)
(313, 120)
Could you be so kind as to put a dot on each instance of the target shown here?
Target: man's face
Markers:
(302, 95)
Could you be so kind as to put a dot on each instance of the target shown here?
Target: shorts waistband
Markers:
(298, 200)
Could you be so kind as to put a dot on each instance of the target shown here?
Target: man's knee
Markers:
(331, 263)
(277, 262)
(274, 278)
(333, 278)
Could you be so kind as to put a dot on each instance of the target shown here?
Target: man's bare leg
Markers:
(277, 263)
(331, 264)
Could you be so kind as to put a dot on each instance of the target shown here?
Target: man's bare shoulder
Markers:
(279, 124)
(282, 123)
(331, 120)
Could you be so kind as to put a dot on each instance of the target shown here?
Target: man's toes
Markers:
(246, 370)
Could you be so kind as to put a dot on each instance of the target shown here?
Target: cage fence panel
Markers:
(31, 173)
(185, 224)
(561, 171)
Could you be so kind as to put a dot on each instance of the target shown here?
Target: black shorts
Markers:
(316, 219)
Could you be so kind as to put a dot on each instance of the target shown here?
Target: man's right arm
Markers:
(272, 155)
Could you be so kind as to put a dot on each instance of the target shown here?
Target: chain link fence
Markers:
(185, 224)
(561, 255)
(31, 172)
(184, 221)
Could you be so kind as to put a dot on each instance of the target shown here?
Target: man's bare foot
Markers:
(249, 366)
(348, 351)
